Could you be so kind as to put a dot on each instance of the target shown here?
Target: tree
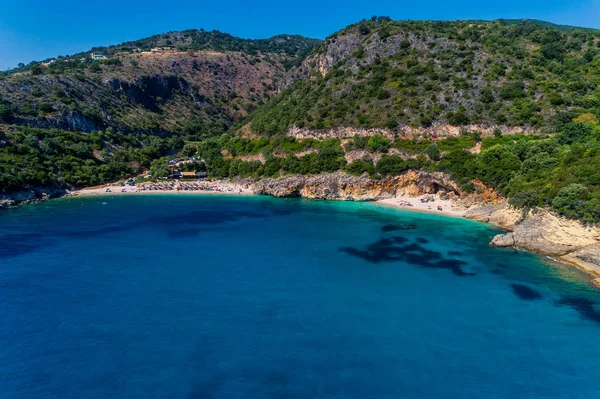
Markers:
(159, 169)
(390, 165)
(525, 199)
(361, 166)
(553, 51)
(457, 118)
(433, 152)
(189, 150)
(36, 70)
(6, 112)
(574, 132)
(378, 143)
(570, 200)
(486, 95)
(497, 165)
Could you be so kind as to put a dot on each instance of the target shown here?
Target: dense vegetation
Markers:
(384, 73)
(552, 170)
(32, 157)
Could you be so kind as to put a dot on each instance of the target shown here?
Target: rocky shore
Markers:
(30, 196)
(536, 230)
(539, 230)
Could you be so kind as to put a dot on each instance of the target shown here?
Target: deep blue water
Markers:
(253, 297)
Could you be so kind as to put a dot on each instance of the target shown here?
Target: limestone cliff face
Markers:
(542, 231)
(499, 214)
(341, 186)
(437, 129)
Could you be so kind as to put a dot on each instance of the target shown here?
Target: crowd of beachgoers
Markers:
(189, 186)
(214, 187)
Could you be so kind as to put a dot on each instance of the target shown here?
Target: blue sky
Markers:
(39, 29)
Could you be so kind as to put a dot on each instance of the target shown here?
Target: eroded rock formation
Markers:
(341, 186)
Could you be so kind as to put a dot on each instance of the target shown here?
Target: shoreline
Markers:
(448, 208)
(208, 189)
(592, 271)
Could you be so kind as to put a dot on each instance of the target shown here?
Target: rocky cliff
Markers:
(341, 186)
(539, 230)
(30, 196)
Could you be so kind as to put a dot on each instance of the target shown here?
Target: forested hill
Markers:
(192, 83)
(390, 74)
(371, 81)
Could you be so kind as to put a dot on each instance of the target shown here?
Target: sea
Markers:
(206, 296)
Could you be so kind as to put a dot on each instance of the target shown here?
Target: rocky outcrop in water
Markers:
(30, 196)
(540, 230)
(499, 214)
(543, 231)
(342, 186)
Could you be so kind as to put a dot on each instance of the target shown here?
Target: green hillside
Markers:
(389, 74)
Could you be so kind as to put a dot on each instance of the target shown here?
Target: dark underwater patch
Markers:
(525, 293)
(455, 253)
(585, 307)
(422, 240)
(12, 245)
(206, 217)
(397, 227)
(94, 233)
(183, 233)
(396, 249)
(454, 265)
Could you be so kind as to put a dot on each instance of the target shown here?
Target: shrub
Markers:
(525, 199)
(6, 112)
(570, 200)
(378, 143)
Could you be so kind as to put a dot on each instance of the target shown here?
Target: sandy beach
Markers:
(167, 187)
(447, 206)
(435, 205)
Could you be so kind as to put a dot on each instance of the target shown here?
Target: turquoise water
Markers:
(254, 297)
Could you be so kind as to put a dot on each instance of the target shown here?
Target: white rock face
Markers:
(543, 231)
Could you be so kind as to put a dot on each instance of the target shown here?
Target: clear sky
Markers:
(39, 29)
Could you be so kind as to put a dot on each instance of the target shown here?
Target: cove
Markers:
(237, 297)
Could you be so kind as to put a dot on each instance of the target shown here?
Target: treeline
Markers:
(36, 157)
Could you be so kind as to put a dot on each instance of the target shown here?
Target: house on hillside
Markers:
(95, 56)
(156, 50)
(193, 175)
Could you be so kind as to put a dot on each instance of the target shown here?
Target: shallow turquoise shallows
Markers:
(195, 296)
